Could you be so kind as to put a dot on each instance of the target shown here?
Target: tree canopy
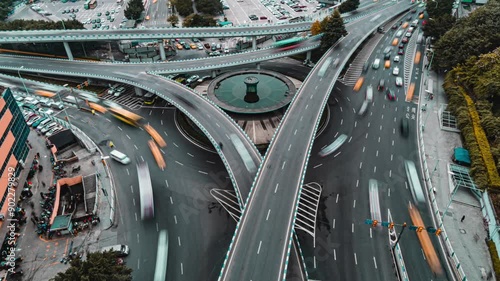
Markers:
(333, 29)
(183, 7)
(209, 7)
(348, 6)
(197, 20)
(134, 9)
(470, 36)
(97, 267)
(40, 25)
(173, 20)
(315, 28)
(6, 8)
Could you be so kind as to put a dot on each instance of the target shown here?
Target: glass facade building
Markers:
(13, 143)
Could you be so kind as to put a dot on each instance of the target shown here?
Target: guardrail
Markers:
(451, 257)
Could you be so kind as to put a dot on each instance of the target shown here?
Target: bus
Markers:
(417, 57)
(161, 256)
(44, 93)
(157, 155)
(90, 4)
(414, 182)
(154, 134)
(126, 116)
(243, 152)
(145, 190)
(411, 91)
(149, 98)
(97, 107)
(288, 44)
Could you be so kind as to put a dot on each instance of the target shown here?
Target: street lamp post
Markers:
(22, 81)
(65, 111)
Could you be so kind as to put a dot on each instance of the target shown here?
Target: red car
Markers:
(404, 40)
(401, 52)
(390, 95)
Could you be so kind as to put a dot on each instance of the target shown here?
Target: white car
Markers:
(46, 111)
(396, 58)
(399, 81)
(33, 120)
(54, 130)
(200, 46)
(395, 71)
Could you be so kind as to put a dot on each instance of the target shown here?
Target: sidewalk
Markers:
(468, 237)
(42, 256)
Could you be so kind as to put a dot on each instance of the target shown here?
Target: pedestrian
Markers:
(33, 220)
(463, 218)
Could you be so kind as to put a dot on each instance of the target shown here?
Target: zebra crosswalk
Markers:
(126, 99)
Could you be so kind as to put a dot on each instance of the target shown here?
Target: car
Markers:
(193, 46)
(72, 16)
(107, 13)
(200, 46)
(390, 95)
(112, 20)
(38, 122)
(253, 17)
(179, 46)
(99, 14)
(46, 111)
(33, 120)
(124, 20)
(108, 17)
(54, 130)
(381, 84)
(207, 45)
(404, 40)
(192, 79)
(395, 26)
(405, 127)
(399, 81)
(226, 50)
(64, 11)
(396, 58)
(72, 10)
(401, 52)
(218, 46)
(413, 11)
(395, 71)
(119, 91)
(263, 18)
(204, 78)
(401, 46)
(195, 40)
(408, 34)
(57, 105)
(77, 10)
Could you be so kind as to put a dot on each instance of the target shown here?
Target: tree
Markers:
(6, 8)
(134, 9)
(197, 20)
(209, 7)
(173, 20)
(97, 267)
(39, 25)
(183, 7)
(316, 28)
(333, 31)
(348, 6)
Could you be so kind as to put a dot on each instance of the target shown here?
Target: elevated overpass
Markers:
(261, 245)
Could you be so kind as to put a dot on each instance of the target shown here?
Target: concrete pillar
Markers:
(308, 56)
(68, 51)
(258, 65)
(162, 51)
(110, 54)
(254, 42)
(138, 91)
(214, 73)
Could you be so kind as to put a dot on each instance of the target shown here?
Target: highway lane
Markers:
(212, 119)
(261, 253)
(181, 199)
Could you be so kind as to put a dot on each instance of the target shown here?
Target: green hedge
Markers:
(494, 258)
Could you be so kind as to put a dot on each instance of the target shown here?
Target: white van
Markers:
(376, 64)
(119, 250)
(120, 157)
(399, 33)
(369, 93)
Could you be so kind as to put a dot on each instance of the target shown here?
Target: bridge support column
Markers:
(110, 54)
(254, 43)
(138, 91)
(162, 51)
(68, 51)
(308, 57)
(214, 73)
(258, 65)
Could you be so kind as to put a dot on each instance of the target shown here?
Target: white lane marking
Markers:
(142, 158)
(337, 154)
(283, 166)
(380, 127)
(165, 133)
(314, 261)
(157, 227)
(295, 132)
(301, 118)
(406, 185)
(136, 147)
(376, 154)
(108, 120)
(190, 154)
(357, 183)
(375, 169)
(355, 124)
(354, 204)
(366, 136)
(390, 173)
(336, 134)
(383, 114)
(317, 166)
(179, 163)
(138, 242)
(202, 172)
(135, 216)
(350, 139)
(375, 262)
(268, 213)
(341, 121)
(341, 109)
(391, 156)
(161, 121)
(128, 173)
(132, 189)
(334, 254)
(276, 188)
(182, 269)
(217, 125)
(360, 164)
(348, 99)
(393, 131)
(171, 200)
(392, 142)
(161, 152)
(179, 240)
(175, 219)
(138, 264)
(371, 233)
(290, 146)
(333, 223)
(337, 200)
(354, 110)
(151, 111)
(369, 124)
(119, 128)
(128, 137)
(423, 254)
(396, 109)
(378, 139)
(352, 227)
(166, 182)
(211, 162)
(260, 244)
(364, 149)
(389, 194)
(355, 259)
(307, 105)
(175, 144)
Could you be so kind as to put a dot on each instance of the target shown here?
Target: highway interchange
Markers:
(377, 135)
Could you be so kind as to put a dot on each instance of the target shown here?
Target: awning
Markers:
(461, 156)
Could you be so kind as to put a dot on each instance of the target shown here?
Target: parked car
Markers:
(33, 120)
(46, 111)
(192, 79)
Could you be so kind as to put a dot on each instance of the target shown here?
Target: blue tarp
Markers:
(461, 156)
